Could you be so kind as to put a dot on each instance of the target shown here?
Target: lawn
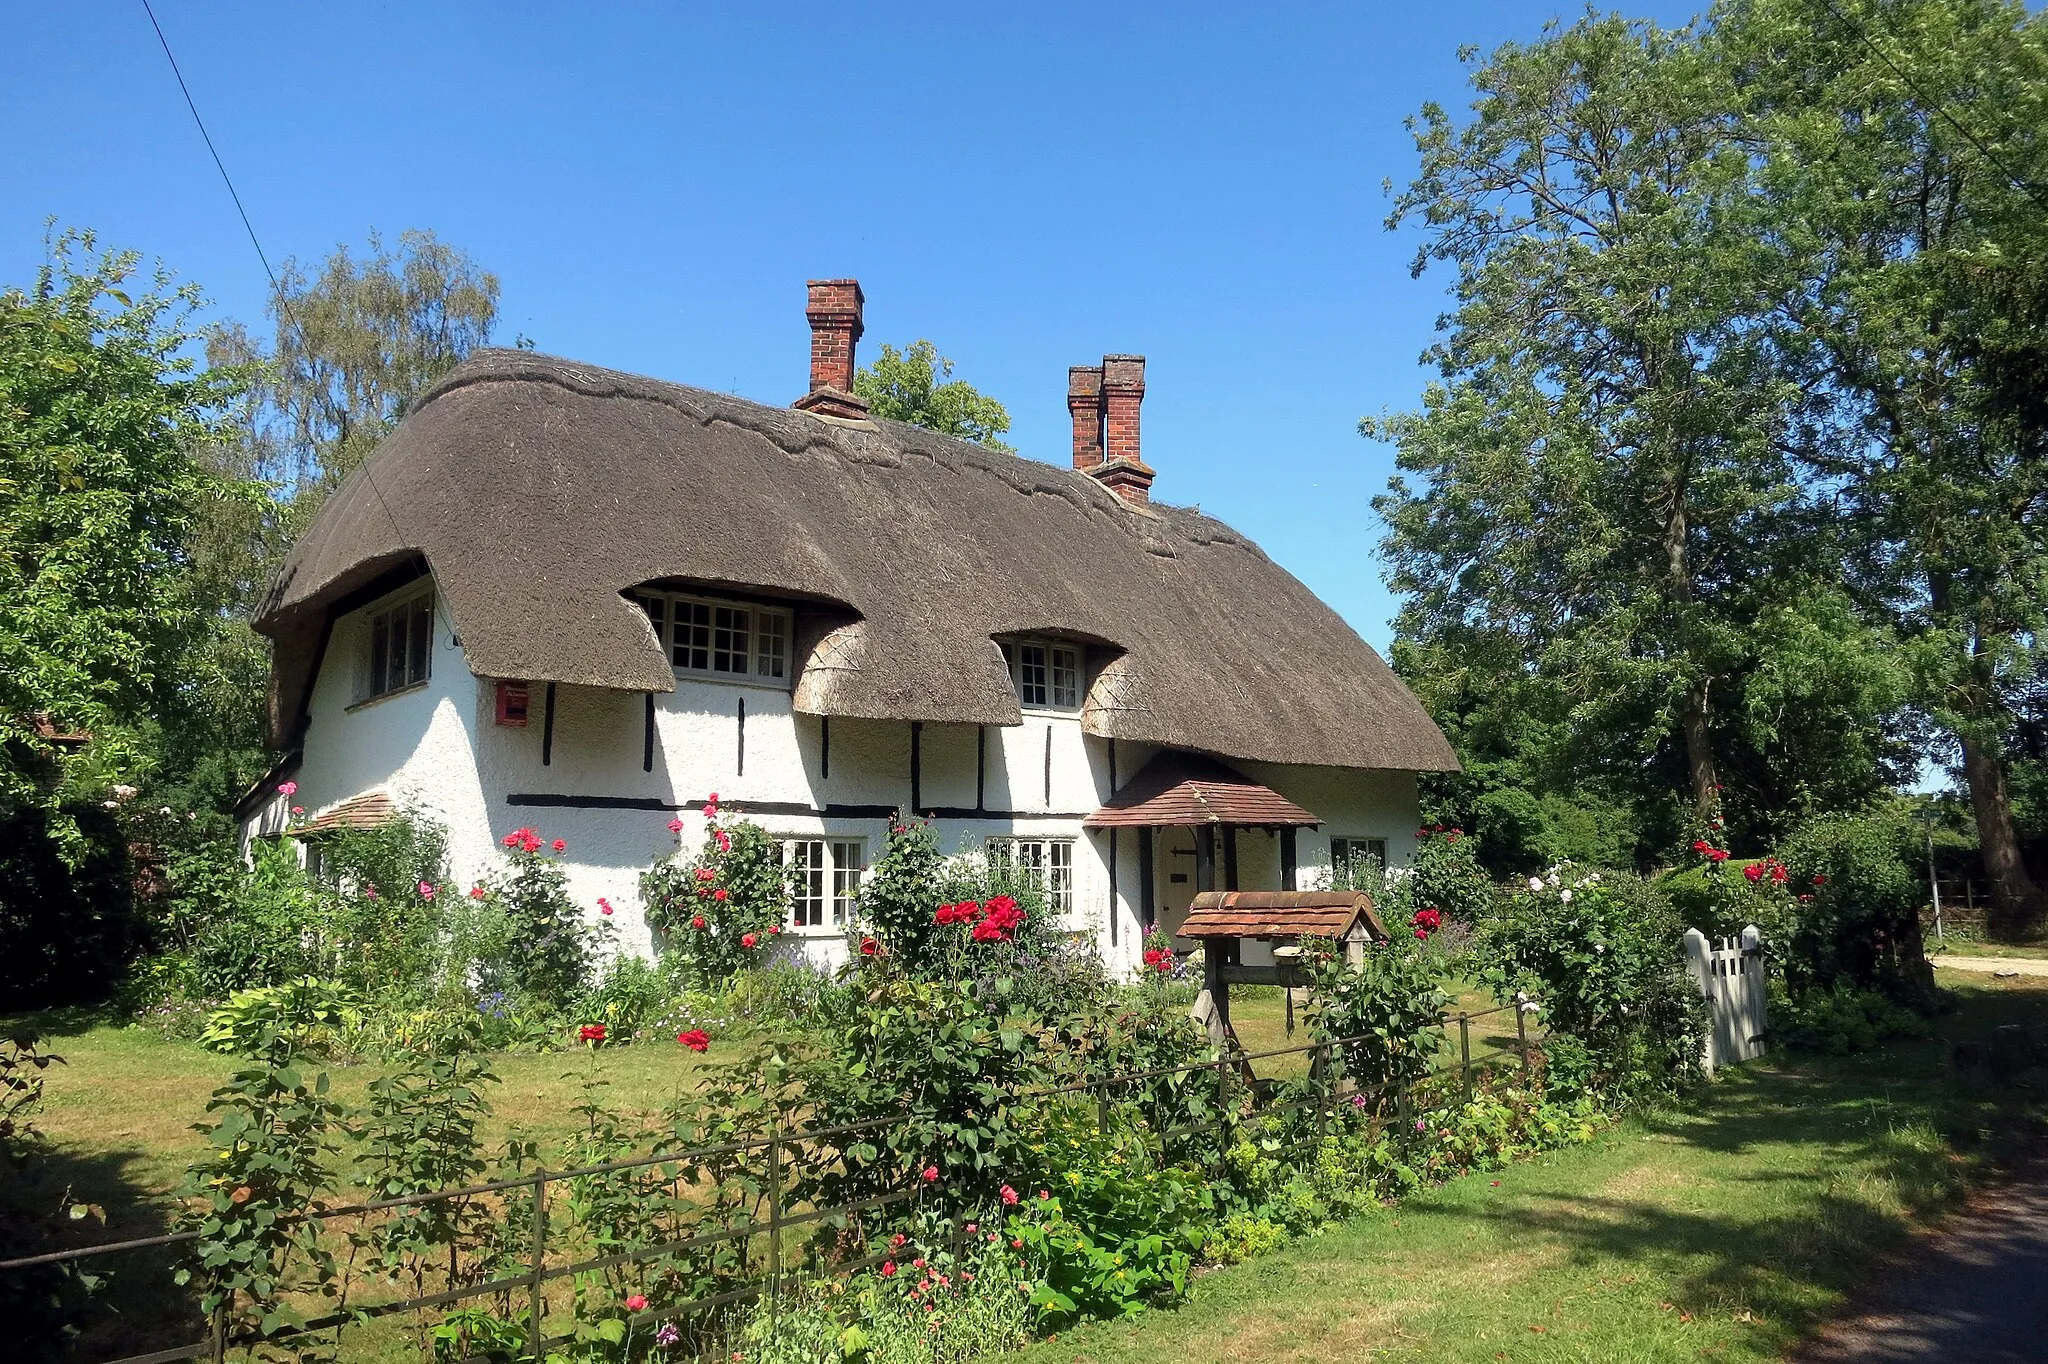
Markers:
(1725, 1231)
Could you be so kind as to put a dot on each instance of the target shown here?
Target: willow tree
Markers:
(1599, 521)
(1903, 151)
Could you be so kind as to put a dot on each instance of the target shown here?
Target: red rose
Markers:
(697, 922)
(746, 940)
(868, 947)
(696, 1039)
(888, 1269)
(774, 929)
(719, 894)
(1820, 880)
(636, 1303)
(1753, 872)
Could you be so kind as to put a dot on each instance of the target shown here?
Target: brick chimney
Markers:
(1123, 389)
(1084, 400)
(834, 311)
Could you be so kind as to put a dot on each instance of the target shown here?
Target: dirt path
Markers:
(1977, 1292)
(2026, 966)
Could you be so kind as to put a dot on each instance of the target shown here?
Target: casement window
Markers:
(1346, 851)
(1047, 674)
(1046, 863)
(824, 875)
(720, 638)
(401, 647)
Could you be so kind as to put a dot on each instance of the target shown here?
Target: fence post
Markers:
(774, 1221)
(1522, 1036)
(1465, 1052)
(1319, 1070)
(220, 1332)
(534, 1335)
(1102, 1110)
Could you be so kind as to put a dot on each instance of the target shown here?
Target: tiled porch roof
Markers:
(357, 812)
(1190, 789)
(1281, 914)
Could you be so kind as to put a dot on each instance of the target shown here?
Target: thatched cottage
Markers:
(581, 600)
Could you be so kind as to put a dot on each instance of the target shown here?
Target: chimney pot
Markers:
(1084, 401)
(834, 311)
(1123, 469)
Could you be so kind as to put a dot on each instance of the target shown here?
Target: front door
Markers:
(1175, 858)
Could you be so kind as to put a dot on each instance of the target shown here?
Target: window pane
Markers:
(422, 641)
(730, 651)
(770, 635)
(693, 635)
(807, 882)
(1066, 677)
(1031, 680)
(380, 654)
(845, 881)
(1059, 886)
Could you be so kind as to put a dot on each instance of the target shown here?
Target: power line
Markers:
(277, 290)
(2027, 187)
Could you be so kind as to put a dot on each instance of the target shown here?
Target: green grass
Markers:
(1726, 1231)
(1957, 945)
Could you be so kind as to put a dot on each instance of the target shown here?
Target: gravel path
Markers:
(1977, 1292)
(2026, 966)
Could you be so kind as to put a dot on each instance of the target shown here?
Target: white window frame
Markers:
(1047, 863)
(1343, 847)
(714, 622)
(1048, 674)
(836, 865)
(412, 613)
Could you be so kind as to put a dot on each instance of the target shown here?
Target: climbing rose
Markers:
(604, 906)
(774, 929)
(724, 840)
(1753, 873)
(931, 1174)
(697, 921)
(706, 874)
(1009, 1196)
(718, 894)
(675, 826)
(286, 789)
(747, 940)
(1820, 880)
(476, 892)
(298, 809)
(558, 845)
(696, 1039)
(636, 1303)
(1778, 873)
(888, 1269)
(896, 1242)
(426, 890)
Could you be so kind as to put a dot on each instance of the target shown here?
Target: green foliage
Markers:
(305, 1016)
(904, 889)
(1445, 875)
(1601, 952)
(267, 1159)
(419, 1135)
(915, 385)
(721, 911)
(1388, 1012)
(67, 926)
(630, 994)
(1856, 918)
(547, 949)
(383, 933)
(247, 928)
(1839, 1019)
(22, 1063)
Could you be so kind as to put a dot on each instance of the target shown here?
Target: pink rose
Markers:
(1009, 1196)
(675, 826)
(287, 789)
(636, 1303)
(558, 845)
(426, 890)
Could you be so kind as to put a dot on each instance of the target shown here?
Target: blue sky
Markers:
(1028, 186)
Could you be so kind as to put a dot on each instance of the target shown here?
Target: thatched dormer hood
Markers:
(537, 489)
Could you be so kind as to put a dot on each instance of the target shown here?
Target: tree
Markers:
(916, 386)
(1900, 146)
(106, 424)
(355, 346)
(1607, 551)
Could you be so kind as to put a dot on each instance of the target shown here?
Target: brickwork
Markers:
(1084, 401)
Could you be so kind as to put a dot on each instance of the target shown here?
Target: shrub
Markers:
(720, 911)
(307, 1015)
(1446, 876)
(1602, 952)
(631, 994)
(902, 892)
(548, 948)
(22, 1064)
(1390, 1007)
(1840, 1020)
(1856, 915)
(263, 929)
(385, 902)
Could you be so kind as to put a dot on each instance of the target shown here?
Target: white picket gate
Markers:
(1730, 975)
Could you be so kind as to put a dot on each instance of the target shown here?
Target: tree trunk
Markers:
(2017, 906)
(1699, 753)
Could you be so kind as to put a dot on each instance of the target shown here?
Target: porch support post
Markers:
(1287, 858)
(1219, 993)
(1147, 914)
(1205, 857)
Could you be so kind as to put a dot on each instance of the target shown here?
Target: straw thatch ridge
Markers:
(536, 489)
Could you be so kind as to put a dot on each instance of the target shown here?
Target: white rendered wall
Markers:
(438, 750)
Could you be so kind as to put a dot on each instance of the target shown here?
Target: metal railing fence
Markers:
(1237, 1103)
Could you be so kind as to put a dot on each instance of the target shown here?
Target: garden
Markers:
(457, 1122)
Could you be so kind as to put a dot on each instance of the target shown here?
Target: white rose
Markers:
(1553, 878)
(1599, 947)
(1535, 883)
(1565, 896)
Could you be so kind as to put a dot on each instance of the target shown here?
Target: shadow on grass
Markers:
(102, 1307)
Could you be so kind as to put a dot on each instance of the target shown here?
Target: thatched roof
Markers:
(536, 489)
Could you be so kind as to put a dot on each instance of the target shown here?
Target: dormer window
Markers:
(1046, 673)
(400, 647)
(724, 639)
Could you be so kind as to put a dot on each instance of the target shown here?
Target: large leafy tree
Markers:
(109, 433)
(915, 385)
(1614, 578)
(1901, 152)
